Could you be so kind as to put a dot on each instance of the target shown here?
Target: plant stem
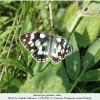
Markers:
(50, 9)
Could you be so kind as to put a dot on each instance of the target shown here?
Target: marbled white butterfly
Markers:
(44, 45)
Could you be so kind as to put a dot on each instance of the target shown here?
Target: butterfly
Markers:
(44, 46)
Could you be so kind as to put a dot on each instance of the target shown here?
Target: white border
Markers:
(50, 96)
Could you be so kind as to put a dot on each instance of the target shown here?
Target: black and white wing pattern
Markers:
(44, 46)
(36, 43)
(60, 49)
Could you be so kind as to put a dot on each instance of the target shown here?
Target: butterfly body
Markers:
(44, 46)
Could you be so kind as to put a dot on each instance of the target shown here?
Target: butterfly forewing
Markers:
(31, 41)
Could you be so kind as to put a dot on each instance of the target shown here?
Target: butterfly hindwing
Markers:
(42, 53)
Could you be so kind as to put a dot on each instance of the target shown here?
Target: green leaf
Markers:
(27, 56)
(73, 60)
(26, 26)
(64, 19)
(38, 66)
(92, 75)
(53, 79)
(4, 51)
(88, 28)
(13, 62)
(96, 90)
(44, 14)
(3, 19)
(9, 83)
(4, 34)
(92, 54)
(93, 9)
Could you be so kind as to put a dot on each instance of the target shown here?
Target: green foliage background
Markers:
(78, 73)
